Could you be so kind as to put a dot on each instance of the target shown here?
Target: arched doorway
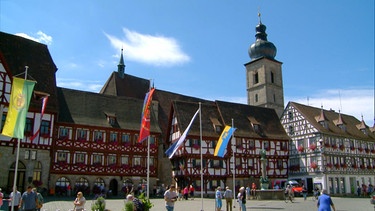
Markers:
(113, 188)
(21, 171)
(82, 185)
(62, 187)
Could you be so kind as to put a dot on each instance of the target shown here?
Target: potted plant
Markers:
(312, 146)
(300, 148)
(99, 204)
(313, 165)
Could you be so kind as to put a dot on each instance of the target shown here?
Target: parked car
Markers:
(296, 187)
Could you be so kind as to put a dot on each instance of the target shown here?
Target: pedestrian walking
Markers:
(39, 205)
(304, 192)
(29, 200)
(186, 192)
(228, 195)
(191, 191)
(170, 197)
(218, 198)
(79, 202)
(242, 198)
(14, 198)
(325, 202)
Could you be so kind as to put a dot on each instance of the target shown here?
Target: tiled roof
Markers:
(87, 108)
(270, 126)
(129, 86)
(20, 52)
(310, 113)
(267, 119)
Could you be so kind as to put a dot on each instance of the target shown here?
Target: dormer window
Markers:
(340, 123)
(111, 118)
(255, 125)
(322, 120)
(216, 124)
(362, 127)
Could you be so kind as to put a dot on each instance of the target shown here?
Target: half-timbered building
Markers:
(33, 167)
(257, 128)
(329, 149)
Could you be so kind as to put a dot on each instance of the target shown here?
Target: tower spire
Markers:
(121, 66)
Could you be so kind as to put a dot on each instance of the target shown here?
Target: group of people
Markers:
(228, 196)
(29, 200)
(365, 190)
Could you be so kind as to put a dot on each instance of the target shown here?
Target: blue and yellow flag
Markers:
(223, 141)
(19, 105)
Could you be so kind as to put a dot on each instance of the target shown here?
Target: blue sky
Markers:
(199, 48)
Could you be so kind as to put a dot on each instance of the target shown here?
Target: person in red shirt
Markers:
(253, 189)
(191, 191)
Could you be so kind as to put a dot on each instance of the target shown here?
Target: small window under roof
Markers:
(216, 124)
(111, 117)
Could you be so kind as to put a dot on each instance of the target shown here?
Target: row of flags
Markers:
(20, 100)
(145, 130)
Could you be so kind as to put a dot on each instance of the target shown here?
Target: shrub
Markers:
(99, 204)
(129, 206)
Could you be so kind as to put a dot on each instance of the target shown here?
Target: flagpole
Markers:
(200, 132)
(148, 153)
(17, 158)
(233, 166)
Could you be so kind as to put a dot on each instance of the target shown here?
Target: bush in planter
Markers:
(129, 206)
(146, 202)
(99, 204)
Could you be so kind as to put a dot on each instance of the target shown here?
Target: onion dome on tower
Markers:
(262, 48)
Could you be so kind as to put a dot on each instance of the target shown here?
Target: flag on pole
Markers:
(223, 141)
(19, 105)
(145, 121)
(44, 104)
(173, 149)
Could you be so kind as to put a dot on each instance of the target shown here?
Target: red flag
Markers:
(145, 121)
(44, 104)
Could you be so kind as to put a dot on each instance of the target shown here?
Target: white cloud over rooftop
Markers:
(152, 50)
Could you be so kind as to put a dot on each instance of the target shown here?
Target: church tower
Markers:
(263, 73)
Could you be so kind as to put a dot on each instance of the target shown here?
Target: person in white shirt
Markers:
(15, 199)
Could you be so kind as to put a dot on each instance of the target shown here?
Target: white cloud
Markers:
(353, 102)
(90, 86)
(152, 50)
(40, 37)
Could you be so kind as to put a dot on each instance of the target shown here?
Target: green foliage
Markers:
(99, 204)
(146, 202)
(129, 206)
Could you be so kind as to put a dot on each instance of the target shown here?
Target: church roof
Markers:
(130, 86)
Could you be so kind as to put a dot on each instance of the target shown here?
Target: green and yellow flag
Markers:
(19, 105)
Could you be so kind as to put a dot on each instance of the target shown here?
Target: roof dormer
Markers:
(321, 119)
(255, 125)
(111, 118)
(216, 124)
(340, 123)
(362, 127)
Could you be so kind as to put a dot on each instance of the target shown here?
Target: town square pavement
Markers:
(342, 204)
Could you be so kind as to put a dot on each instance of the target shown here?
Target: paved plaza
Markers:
(342, 204)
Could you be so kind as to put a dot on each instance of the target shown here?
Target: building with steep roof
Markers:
(329, 150)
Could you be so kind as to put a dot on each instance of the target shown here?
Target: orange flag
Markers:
(145, 121)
